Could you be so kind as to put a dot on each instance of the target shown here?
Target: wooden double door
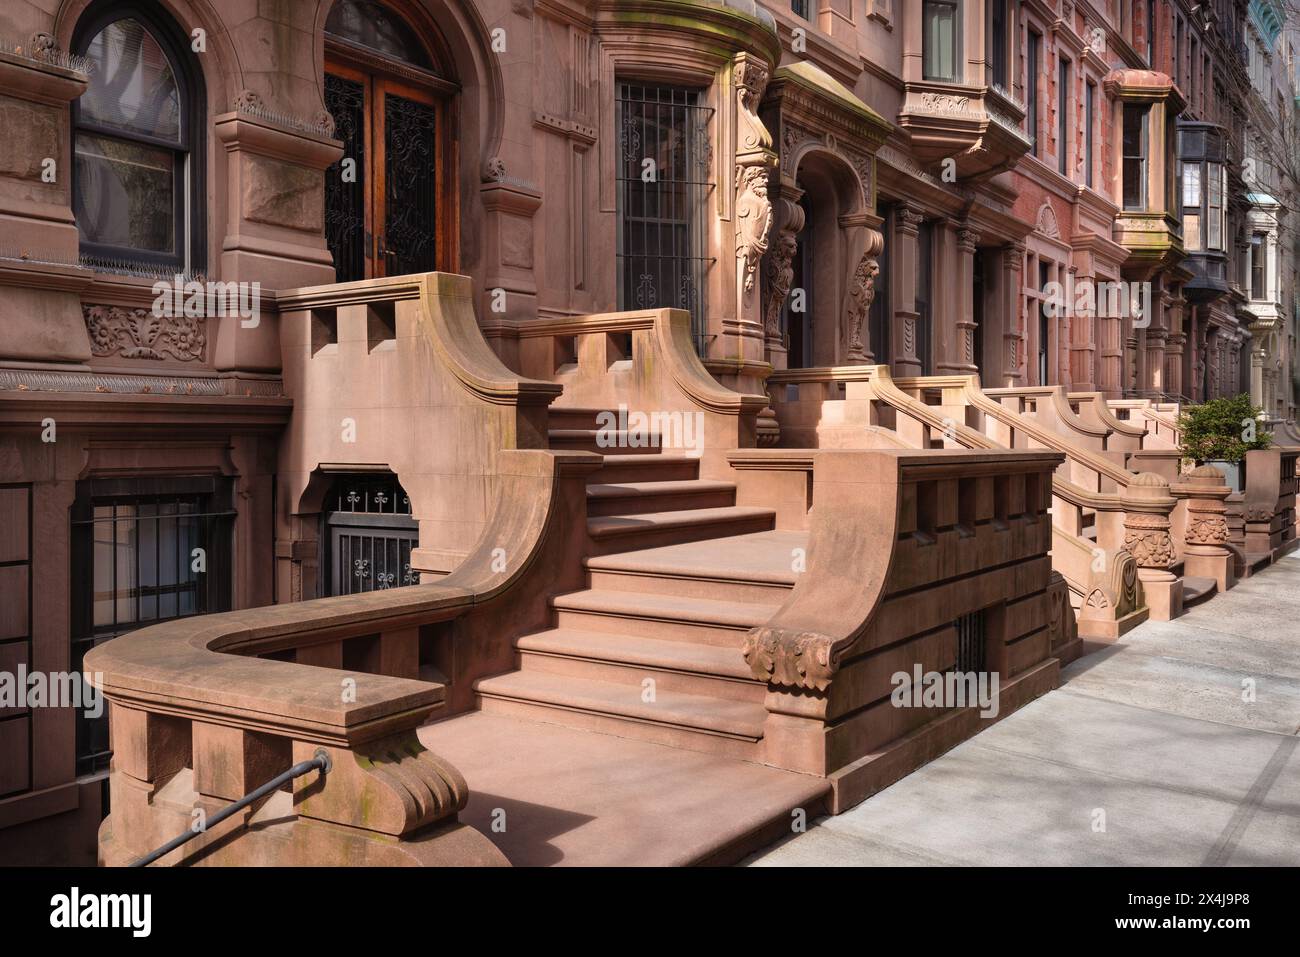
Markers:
(387, 206)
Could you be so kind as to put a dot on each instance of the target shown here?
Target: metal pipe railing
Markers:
(320, 760)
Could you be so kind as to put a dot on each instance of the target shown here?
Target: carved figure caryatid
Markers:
(753, 220)
(862, 292)
(780, 267)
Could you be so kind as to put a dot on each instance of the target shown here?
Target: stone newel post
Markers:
(1205, 526)
(1147, 506)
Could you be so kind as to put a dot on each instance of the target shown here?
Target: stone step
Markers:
(1197, 590)
(632, 498)
(665, 467)
(677, 666)
(758, 567)
(615, 533)
(622, 442)
(570, 418)
(672, 617)
(688, 721)
(596, 800)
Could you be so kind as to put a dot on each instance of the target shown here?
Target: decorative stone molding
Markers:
(1147, 538)
(139, 334)
(799, 661)
(1046, 223)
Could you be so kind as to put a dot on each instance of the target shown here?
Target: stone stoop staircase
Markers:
(678, 574)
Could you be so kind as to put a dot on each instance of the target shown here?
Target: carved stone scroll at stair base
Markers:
(1114, 594)
(394, 786)
(803, 660)
(1062, 630)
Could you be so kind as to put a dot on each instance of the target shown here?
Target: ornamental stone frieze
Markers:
(138, 333)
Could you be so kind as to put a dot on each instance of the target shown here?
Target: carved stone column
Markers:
(958, 340)
(1013, 329)
(1202, 493)
(1147, 507)
(1174, 363)
(906, 362)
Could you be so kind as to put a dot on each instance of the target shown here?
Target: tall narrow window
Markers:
(939, 39)
(1191, 205)
(1031, 87)
(1151, 34)
(1063, 116)
(138, 189)
(134, 544)
(998, 43)
(1089, 133)
(1044, 323)
(1214, 189)
(1178, 50)
(1258, 289)
(801, 8)
(1135, 156)
(662, 243)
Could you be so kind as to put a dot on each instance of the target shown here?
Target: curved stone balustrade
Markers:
(202, 696)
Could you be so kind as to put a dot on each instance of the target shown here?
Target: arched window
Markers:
(137, 133)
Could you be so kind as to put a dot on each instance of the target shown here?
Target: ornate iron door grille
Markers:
(665, 158)
(369, 536)
(971, 644)
(410, 186)
(345, 202)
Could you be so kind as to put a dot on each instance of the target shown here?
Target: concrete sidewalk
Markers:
(1153, 733)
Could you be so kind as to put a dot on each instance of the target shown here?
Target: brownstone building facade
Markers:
(820, 185)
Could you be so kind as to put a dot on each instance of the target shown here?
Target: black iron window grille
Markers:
(971, 644)
(664, 165)
(143, 559)
(369, 535)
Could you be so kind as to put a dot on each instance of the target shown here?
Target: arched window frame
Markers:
(190, 193)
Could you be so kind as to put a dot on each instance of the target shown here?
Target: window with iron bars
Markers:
(144, 551)
(663, 180)
(971, 644)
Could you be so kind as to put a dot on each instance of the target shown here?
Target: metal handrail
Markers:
(320, 760)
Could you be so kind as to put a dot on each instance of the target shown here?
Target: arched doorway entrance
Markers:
(389, 200)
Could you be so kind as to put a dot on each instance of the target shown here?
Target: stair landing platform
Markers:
(582, 798)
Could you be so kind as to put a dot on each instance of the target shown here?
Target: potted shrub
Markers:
(1220, 432)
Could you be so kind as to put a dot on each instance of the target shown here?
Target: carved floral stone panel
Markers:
(139, 334)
